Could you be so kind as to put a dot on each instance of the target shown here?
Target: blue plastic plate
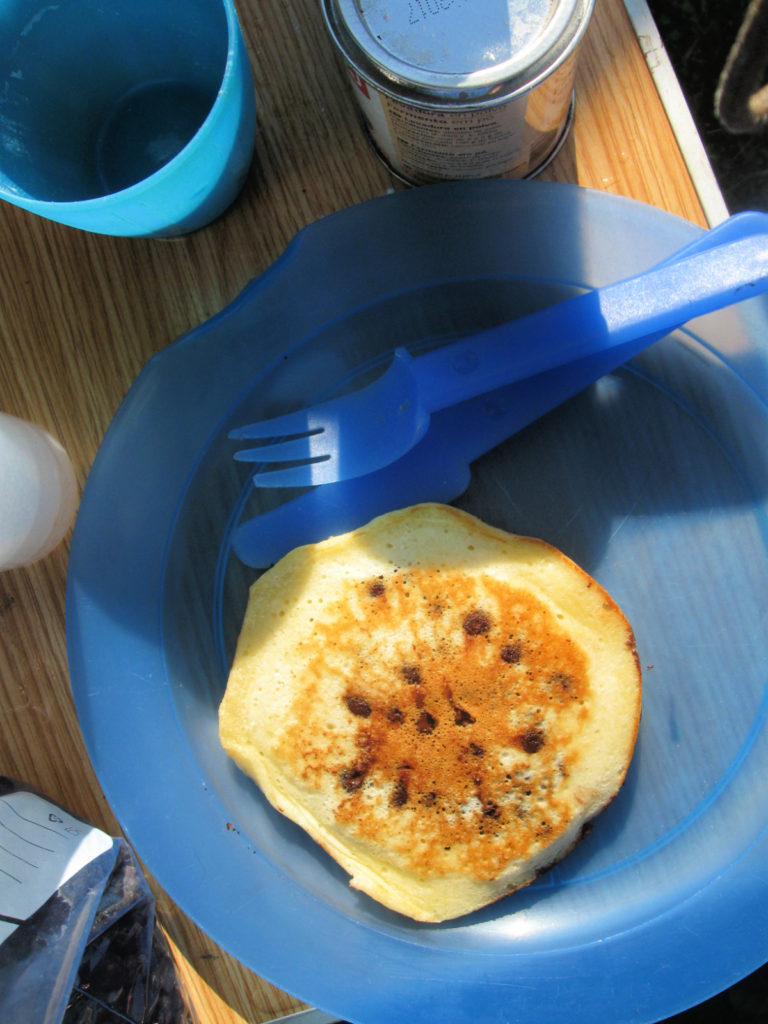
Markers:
(654, 479)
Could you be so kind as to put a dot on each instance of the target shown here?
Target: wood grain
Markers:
(81, 314)
(622, 142)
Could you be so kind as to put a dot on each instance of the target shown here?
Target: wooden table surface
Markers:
(81, 314)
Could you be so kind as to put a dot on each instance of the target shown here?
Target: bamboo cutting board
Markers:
(81, 315)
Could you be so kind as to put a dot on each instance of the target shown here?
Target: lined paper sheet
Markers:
(41, 847)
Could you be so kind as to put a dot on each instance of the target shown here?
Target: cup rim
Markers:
(45, 207)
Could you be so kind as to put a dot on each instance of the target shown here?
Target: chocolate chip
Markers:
(462, 717)
(376, 589)
(399, 794)
(411, 673)
(475, 623)
(352, 778)
(395, 715)
(511, 653)
(476, 749)
(426, 722)
(532, 740)
(358, 705)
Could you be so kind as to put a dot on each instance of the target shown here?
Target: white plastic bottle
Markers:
(38, 492)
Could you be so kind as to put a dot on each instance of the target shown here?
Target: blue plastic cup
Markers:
(124, 117)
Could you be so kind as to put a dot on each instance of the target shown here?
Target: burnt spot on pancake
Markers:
(460, 715)
(358, 705)
(563, 687)
(561, 680)
(484, 727)
(476, 623)
(419, 695)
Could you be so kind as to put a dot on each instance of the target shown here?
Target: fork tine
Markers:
(345, 436)
(307, 474)
(296, 449)
(301, 423)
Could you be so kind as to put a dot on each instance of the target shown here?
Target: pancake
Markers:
(441, 705)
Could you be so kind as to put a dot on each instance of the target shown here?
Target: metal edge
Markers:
(394, 77)
(678, 112)
(305, 1017)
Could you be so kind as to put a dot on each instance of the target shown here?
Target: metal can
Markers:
(453, 89)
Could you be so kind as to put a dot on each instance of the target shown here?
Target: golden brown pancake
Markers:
(440, 704)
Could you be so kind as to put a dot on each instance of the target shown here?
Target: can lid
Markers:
(457, 50)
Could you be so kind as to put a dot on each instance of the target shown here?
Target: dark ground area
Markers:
(698, 36)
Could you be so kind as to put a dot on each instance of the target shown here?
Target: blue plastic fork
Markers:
(376, 425)
(437, 467)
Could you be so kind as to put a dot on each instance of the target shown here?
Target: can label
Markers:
(425, 144)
